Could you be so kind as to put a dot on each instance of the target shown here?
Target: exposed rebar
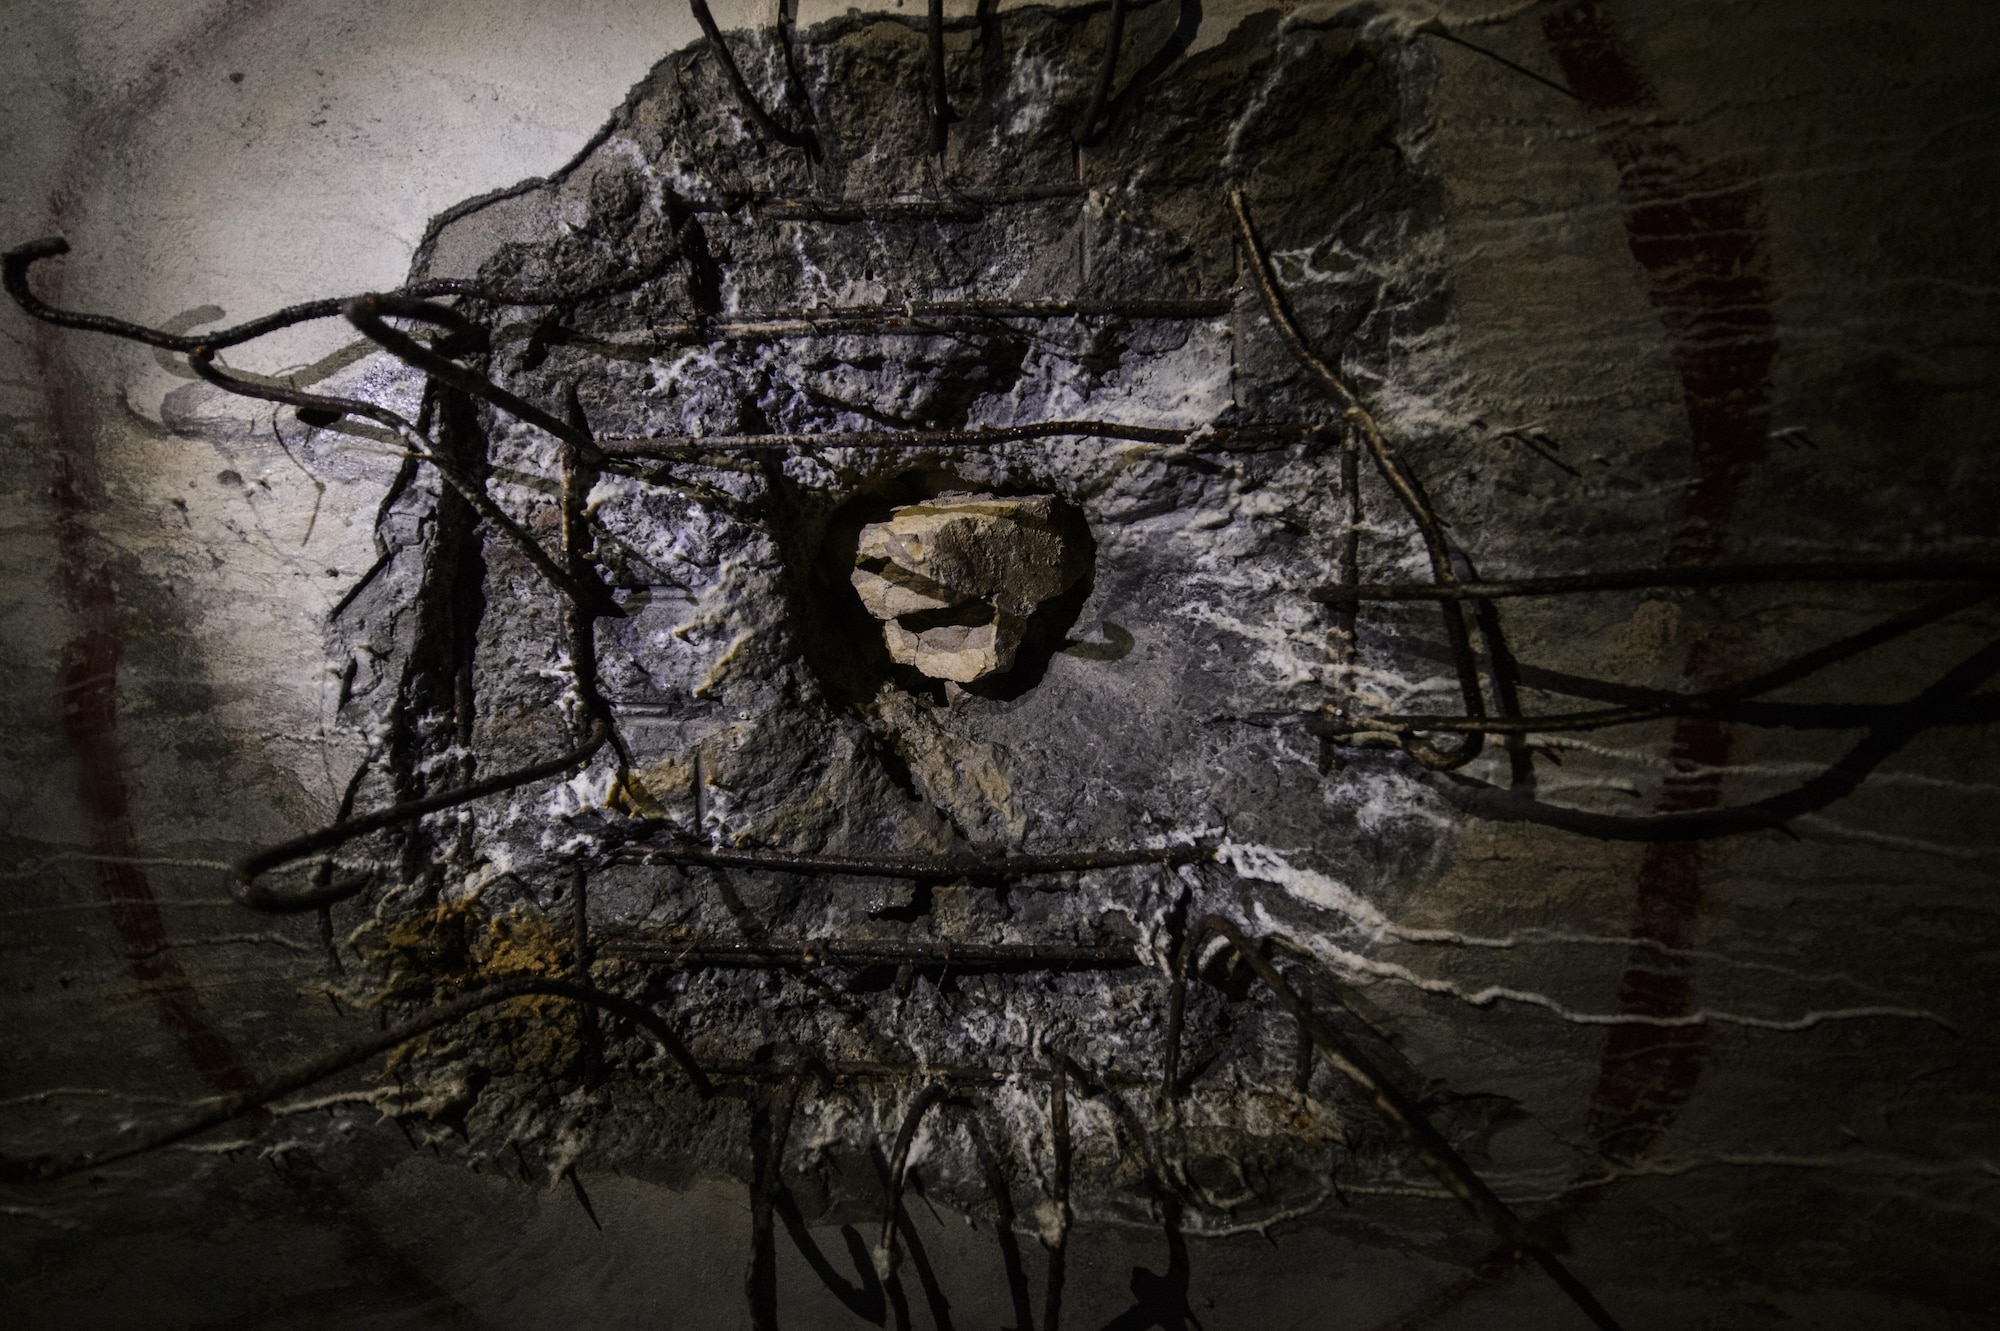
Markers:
(305, 1074)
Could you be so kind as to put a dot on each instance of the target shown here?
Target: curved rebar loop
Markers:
(913, 866)
(322, 875)
(201, 349)
(885, 1254)
(339, 1060)
(941, 113)
(1409, 492)
(761, 1282)
(202, 361)
(1882, 741)
(246, 891)
(14, 266)
(1100, 93)
(1058, 1191)
(14, 276)
(1725, 703)
(366, 313)
(804, 140)
(1398, 1111)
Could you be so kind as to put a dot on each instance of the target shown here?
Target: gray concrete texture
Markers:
(1624, 284)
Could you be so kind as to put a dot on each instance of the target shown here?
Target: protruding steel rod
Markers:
(886, 1255)
(935, 867)
(1641, 579)
(712, 954)
(1058, 1191)
(1396, 1109)
(247, 892)
(305, 1074)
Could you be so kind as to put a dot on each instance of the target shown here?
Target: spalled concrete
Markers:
(1723, 294)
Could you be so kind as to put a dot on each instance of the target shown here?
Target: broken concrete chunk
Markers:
(955, 651)
(895, 591)
(955, 579)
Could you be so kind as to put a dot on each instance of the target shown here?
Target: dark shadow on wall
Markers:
(865, 1298)
(1161, 1300)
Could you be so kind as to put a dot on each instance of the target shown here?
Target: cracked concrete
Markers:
(1747, 1081)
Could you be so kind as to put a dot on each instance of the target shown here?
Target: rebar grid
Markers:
(585, 597)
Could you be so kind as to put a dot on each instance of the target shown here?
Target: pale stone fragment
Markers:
(960, 652)
(955, 579)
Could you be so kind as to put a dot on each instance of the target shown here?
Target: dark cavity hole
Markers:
(843, 642)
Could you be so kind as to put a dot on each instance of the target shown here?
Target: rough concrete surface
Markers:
(1623, 284)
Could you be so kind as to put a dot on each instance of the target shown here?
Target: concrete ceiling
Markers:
(1724, 293)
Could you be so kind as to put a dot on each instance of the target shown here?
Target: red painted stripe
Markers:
(88, 689)
(1697, 233)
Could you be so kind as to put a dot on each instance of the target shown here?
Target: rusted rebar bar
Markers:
(804, 140)
(941, 113)
(368, 314)
(1839, 780)
(885, 1253)
(1984, 571)
(1729, 702)
(1107, 71)
(875, 1070)
(1404, 483)
(1397, 1110)
(326, 1065)
(912, 866)
(1058, 1192)
(581, 955)
(767, 1169)
(202, 360)
(714, 954)
(247, 892)
(1219, 439)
